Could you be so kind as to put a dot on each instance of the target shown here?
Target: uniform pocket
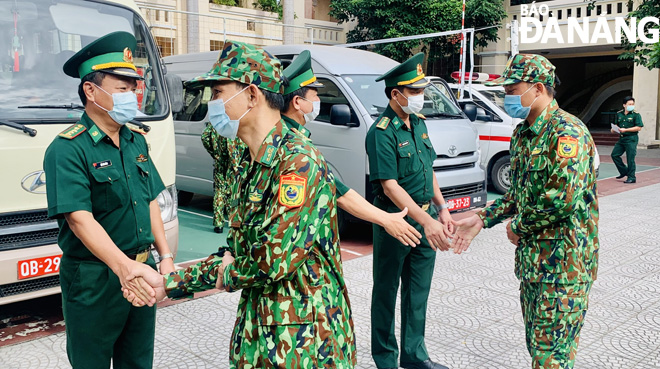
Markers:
(286, 332)
(107, 190)
(408, 160)
(559, 319)
(429, 146)
(143, 171)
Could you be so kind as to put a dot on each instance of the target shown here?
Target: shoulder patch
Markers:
(421, 116)
(293, 189)
(567, 147)
(73, 131)
(136, 129)
(383, 123)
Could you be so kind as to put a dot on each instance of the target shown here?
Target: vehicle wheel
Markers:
(500, 174)
(184, 197)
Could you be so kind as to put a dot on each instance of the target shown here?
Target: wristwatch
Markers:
(443, 206)
(165, 256)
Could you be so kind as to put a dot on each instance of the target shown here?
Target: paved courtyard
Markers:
(474, 318)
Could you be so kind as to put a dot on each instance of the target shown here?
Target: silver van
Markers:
(350, 102)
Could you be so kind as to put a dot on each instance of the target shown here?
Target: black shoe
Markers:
(217, 229)
(621, 176)
(630, 181)
(428, 364)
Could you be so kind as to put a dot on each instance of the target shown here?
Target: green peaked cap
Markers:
(526, 68)
(244, 63)
(407, 74)
(112, 53)
(300, 73)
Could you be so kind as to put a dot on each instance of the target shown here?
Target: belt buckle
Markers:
(426, 206)
(142, 257)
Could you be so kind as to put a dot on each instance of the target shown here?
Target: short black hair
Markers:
(94, 77)
(388, 91)
(628, 98)
(302, 92)
(275, 100)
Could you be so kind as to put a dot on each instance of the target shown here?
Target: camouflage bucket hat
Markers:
(526, 68)
(244, 63)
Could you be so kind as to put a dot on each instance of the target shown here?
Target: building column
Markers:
(646, 91)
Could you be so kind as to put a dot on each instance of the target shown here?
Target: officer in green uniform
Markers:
(283, 247)
(102, 187)
(553, 208)
(401, 171)
(630, 123)
(301, 95)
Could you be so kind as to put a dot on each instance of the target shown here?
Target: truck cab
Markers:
(39, 102)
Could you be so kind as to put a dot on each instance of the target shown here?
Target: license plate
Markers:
(459, 203)
(39, 266)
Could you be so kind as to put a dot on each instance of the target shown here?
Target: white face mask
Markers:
(415, 104)
(316, 109)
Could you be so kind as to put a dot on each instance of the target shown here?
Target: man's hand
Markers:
(227, 259)
(129, 269)
(398, 228)
(514, 238)
(466, 230)
(144, 280)
(445, 218)
(623, 130)
(436, 235)
(167, 266)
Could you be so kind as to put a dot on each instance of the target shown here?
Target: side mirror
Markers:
(175, 91)
(483, 116)
(340, 115)
(471, 111)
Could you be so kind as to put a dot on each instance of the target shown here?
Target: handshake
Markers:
(142, 285)
(447, 234)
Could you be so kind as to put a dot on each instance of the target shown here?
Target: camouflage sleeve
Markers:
(501, 209)
(293, 228)
(209, 140)
(195, 278)
(568, 167)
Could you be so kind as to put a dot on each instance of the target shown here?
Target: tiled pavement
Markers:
(474, 318)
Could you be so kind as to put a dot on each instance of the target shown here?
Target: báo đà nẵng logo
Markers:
(584, 30)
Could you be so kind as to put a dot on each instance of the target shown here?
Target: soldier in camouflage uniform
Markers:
(226, 156)
(283, 247)
(553, 208)
(301, 93)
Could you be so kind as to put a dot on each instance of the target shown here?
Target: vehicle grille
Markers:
(18, 288)
(26, 229)
(23, 217)
(453, 167)
(449, 192)
(461, 155)
(28, 239)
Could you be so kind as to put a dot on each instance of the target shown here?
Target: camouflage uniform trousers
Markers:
(226, 156)
(553, 315)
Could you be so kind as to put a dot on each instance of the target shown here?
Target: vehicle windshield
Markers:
(372, 96)
(38, 36)
(496, 96)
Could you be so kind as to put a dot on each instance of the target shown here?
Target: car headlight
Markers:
(167, 202)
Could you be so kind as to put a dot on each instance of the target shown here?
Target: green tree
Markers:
(224, 2)
(273, 6)
(643, 54)
(378, 19)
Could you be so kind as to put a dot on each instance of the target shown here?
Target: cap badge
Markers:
(419, 70)
(128, 55)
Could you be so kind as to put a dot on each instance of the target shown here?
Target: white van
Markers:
(350, 102)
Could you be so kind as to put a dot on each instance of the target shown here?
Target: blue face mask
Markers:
(630, 107)
(225, 126)
(124, 106)
(513, 105)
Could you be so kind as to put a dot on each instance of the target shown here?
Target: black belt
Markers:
(140, 256)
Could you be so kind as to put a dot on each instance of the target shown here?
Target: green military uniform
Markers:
(405, 155)
(627, 143)
(294, 310)
(87, 172)
(554, 209)
(226, 156)
(300, 74)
